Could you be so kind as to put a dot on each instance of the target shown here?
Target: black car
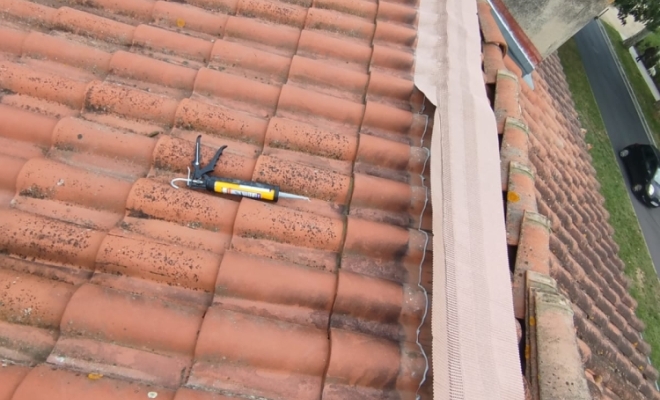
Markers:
(642, 162)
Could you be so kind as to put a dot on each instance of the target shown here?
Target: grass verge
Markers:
(645, 287)
(639, 85)
(652, 40)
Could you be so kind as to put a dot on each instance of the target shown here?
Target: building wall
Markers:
(550, 23)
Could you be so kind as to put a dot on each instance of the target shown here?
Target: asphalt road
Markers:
(622, 121)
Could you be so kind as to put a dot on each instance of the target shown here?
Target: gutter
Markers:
(516, 49)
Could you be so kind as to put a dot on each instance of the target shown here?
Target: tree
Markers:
(644, 11)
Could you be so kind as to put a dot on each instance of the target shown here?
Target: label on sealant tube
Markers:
(249, 191)
(241, 193)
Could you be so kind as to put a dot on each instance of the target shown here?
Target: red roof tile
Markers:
(44, 382)
(11, 377)
(233, 354)
(546, 168)
(184, 295)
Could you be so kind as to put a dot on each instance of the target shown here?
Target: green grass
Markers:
(639, 86)
(645, 287)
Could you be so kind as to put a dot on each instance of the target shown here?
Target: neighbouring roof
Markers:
(116, 284)
(546, 169)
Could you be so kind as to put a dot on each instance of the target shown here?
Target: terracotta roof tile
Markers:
(232, 354)
(46, 85)
(45, 382)
(30, 11)
(377, 311)
(326, 20)
(224, 6)
(520, 199)
(582, 256)
(328, 78)
(506, 103)
(558, 372)
(31, 235)
(141, 338)
(42, 307)
(241, 286)
(36, 130)
(90, 25)
(157, 289)
(252, 63)
(385, 88)
(396, 11)
(196, 19)
(490, 32)
(394, 34)
(514, 148)
(392, 60)
(364, 9)
(382, 200)
(11, 376)
(344, 380)
(192, 394)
